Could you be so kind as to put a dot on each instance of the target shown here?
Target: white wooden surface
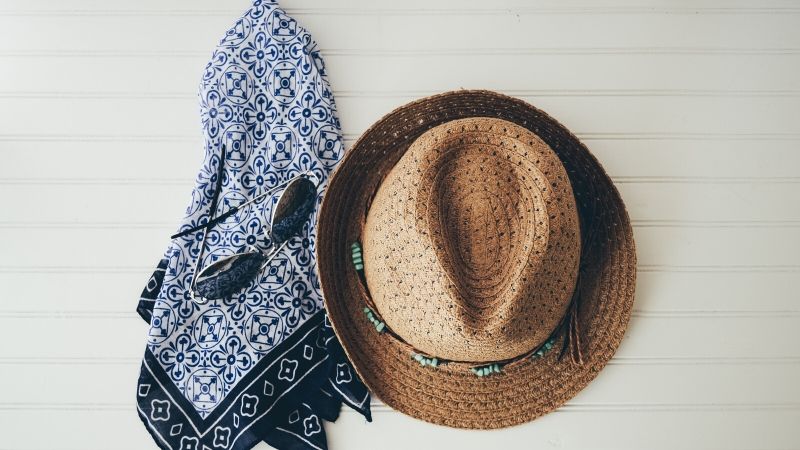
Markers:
(692, 106)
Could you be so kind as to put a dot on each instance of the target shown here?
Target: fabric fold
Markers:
(262, 364)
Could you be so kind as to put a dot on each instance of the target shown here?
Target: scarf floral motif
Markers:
(263, 364)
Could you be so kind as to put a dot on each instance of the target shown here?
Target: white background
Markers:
(692, 106)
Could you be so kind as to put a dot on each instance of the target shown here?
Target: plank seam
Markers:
(618, 360)
(383, 12)
(402, 53)
(588, 136)
(380, 407)
(637, 223)
(756, 268)
(131, 95)
(663, 314)
(143, 181)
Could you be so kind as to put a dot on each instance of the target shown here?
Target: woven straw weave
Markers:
(489, 289)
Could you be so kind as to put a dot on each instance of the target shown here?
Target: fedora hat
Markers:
(476, 261)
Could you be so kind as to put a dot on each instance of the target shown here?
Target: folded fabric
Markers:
(262, 364)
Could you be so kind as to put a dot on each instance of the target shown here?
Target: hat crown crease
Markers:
(471, 242)
(472, 225)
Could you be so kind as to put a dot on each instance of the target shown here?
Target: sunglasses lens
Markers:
(228, 275)
(293, 209)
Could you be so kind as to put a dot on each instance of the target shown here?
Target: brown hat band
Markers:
(568, 327)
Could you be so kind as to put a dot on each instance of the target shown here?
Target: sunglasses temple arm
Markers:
(210, 223)
(197, 264)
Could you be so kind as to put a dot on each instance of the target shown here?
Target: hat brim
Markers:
(450, 396)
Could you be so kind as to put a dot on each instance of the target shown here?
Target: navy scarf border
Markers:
(282, 401)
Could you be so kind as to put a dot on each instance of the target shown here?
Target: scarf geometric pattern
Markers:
(262, 364)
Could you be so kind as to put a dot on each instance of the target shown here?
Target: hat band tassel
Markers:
(571, 327)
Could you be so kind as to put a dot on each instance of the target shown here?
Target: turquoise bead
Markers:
(435, 362)
(367, 310)
(496, 368)
(380, 327)
(359, 266)
(417, 357)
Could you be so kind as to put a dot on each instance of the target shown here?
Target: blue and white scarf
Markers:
(263, 365)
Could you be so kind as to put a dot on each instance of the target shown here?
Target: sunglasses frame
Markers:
(197, 273)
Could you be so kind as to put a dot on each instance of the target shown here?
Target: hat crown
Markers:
(472, 243)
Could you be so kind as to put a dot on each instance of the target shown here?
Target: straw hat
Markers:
(476, 261)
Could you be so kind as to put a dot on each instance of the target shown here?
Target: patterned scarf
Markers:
(263, 364)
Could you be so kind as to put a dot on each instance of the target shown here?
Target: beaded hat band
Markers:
(469, 234)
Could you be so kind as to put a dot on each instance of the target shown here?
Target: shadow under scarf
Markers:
(262, 364)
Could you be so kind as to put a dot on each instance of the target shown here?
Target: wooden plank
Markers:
(43, 160)
(656, 246)
(647, 336)
(726, 117)
(505, 29)
(756, 293)
(133, 75)
(678, 384)
(714, 428)
(372, 7)
(582, 430)
(164, 201)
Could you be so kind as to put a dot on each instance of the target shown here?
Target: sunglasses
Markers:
(232, 273)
